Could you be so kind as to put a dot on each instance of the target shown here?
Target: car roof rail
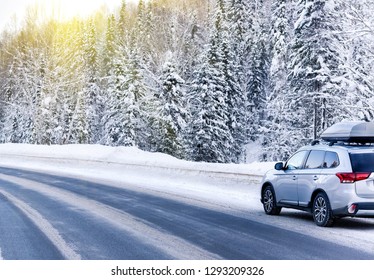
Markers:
(331, 143)
(314, 142)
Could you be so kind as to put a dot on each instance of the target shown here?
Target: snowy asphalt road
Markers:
(52, 217)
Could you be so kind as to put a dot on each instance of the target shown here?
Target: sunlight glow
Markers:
(15, 10)
(63, 9)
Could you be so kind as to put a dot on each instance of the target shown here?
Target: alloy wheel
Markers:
(268, 200)
(322, 213)
(320, 209)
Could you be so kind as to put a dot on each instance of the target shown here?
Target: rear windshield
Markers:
(362, 162)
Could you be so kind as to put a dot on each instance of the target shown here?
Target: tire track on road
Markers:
(177, 247)
(44, 226)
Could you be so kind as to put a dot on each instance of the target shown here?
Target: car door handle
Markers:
(294, 177)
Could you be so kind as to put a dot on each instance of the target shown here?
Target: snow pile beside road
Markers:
(26, 156)
(231, 186)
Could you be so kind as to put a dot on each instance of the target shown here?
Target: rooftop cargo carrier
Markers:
(350, 132)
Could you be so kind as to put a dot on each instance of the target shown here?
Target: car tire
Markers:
(269, 201)
(321, 210)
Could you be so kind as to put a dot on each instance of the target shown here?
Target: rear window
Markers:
(331, 160)
(362, 162)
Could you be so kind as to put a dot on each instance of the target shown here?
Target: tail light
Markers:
(352, 177)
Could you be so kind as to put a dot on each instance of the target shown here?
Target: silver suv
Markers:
(330, 178)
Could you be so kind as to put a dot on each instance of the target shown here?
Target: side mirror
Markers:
(279, 166)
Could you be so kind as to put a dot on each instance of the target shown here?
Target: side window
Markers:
(297, 160)
(315, 159)
(331, 160)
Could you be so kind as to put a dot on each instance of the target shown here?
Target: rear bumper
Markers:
(353, 209)
(365, 205)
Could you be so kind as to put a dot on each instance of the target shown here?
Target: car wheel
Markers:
(269, 202)
(322, 213)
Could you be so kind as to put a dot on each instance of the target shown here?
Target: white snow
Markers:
(40, 157)
(217, 184)
(228, 188)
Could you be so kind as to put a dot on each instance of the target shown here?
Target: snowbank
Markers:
(228, 186)
(44, 157)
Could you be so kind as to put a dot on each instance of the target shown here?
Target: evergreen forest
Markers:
(196, 79)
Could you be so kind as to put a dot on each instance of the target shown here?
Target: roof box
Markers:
(351, 132)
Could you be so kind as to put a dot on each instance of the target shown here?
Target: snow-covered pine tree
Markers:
(119, 118)
(193, 43)
(124, 89)
(123, 21)
(358, 29)
(24, 88)
(92, 91)
(317, 95)
(241, 18)
(210, 137)
(137, 89)
(7, 89)
(110, 44)
(44, 121)
(276, 137)
(239, 35)
(280, 37)
(172, 111)
(70, 114)
(258, 69)
(12, 122)
(143, 26)
(144, 57)
(79, 120)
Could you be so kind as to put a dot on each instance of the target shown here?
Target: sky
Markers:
(67, 8)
